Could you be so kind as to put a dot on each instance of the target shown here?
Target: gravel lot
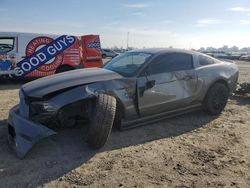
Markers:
(192, 150)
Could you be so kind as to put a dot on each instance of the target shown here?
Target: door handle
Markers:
(150, 84)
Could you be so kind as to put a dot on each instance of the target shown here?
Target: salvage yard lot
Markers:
(192, 150)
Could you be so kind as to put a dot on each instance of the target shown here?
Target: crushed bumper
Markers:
(23, 133)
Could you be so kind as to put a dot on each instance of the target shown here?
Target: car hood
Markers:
(49, 84)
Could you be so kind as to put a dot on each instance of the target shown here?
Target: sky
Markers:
(150, 23)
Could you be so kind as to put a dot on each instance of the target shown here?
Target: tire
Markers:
(102, 121)
(216, 99)
(63, 68)
(118, 117)
(104, 56)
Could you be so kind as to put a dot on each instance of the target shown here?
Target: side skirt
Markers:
(158, 117)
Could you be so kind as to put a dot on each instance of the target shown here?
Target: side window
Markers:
(171, 62)
(203, 60)
(6, 44)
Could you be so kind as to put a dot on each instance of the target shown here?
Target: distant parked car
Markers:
(108, 53)
(120, 51)
(245, 57)
(221, 55)
(235, 56)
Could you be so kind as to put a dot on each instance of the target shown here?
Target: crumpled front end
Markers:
(37, 117)
(22, 132)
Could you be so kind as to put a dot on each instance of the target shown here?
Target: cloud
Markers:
(110, 25)
(245, 22)
(75, 25)
(5, 19)
(142, 5)
(207, 21)
(239, 9)
(141, 14)
(147, 32)
(3, 9)
(166, 22)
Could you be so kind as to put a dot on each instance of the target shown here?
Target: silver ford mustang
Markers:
(134, 88)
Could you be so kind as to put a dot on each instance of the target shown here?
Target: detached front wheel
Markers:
(102, 121)
(216, 99)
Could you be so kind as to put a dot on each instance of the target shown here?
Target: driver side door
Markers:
(165, 84)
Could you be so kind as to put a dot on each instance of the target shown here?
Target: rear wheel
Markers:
(216, 99)
(102, 121)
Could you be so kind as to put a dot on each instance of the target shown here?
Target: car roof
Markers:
(164, 50)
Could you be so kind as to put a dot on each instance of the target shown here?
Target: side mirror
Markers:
(150, 84)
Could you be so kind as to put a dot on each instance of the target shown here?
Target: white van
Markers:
(38, 55)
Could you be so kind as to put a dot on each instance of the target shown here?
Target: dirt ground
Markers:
(192, 150)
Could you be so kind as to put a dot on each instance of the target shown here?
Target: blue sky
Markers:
(158, 23)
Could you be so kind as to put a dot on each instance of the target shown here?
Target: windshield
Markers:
(6, 44)
(128, 63)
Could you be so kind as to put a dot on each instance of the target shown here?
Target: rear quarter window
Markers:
(203, 60)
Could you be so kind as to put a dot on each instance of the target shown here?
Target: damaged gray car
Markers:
(134, 88)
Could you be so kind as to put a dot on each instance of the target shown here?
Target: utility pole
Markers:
(127, 40)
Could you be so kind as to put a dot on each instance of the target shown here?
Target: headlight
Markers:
(42, 108)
